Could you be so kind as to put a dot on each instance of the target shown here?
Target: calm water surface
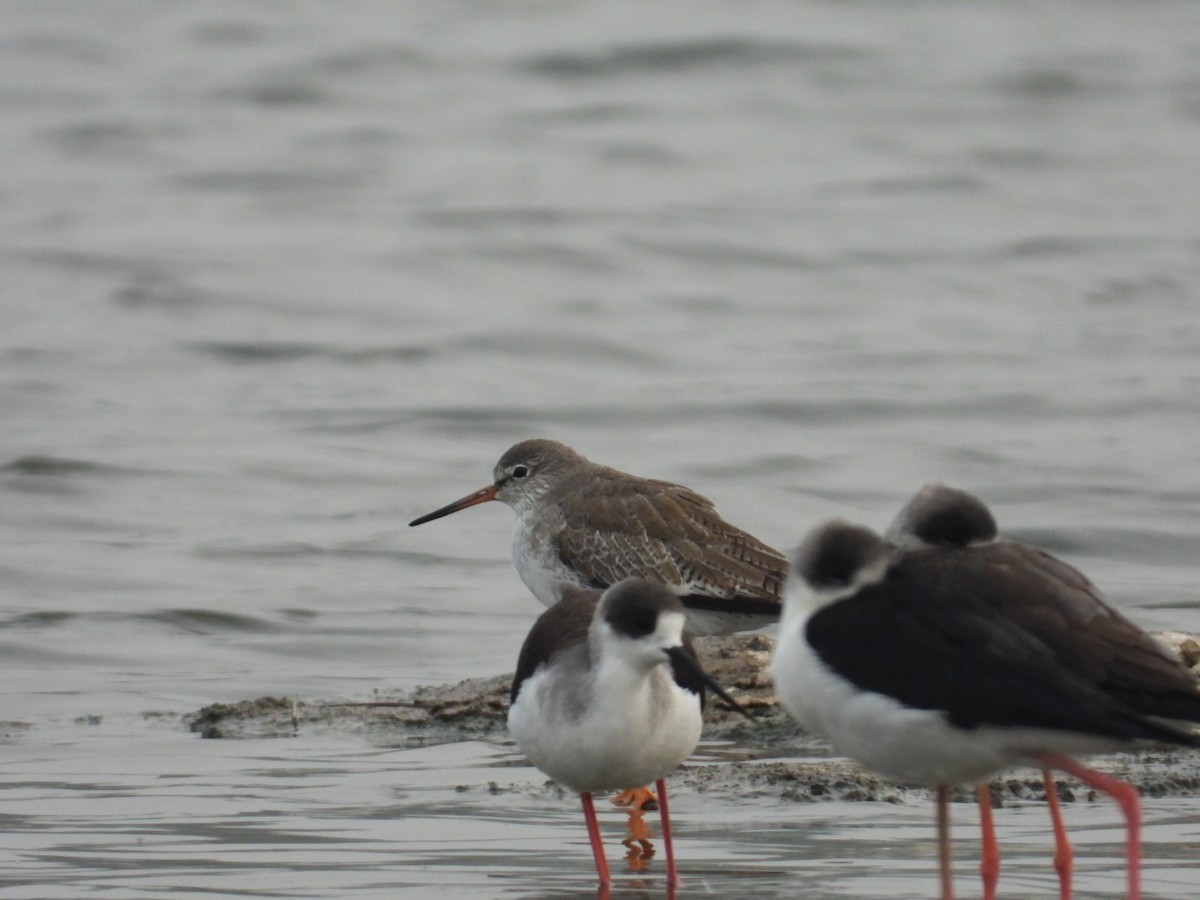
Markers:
(277, 278)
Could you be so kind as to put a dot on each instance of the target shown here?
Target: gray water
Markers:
(275, 278)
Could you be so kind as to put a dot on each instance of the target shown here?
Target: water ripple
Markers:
(208, 621)
(683, 55)
(60, 467)
(249, 352)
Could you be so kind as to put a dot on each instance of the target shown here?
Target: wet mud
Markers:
(769, 756)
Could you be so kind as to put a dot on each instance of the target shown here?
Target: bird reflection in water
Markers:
(638, 848)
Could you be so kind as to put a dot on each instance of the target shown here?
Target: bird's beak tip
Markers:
(480, 496)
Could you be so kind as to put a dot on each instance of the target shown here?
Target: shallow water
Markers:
(276, 279)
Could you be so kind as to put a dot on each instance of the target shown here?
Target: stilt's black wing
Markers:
(931, 646)
(563, 625)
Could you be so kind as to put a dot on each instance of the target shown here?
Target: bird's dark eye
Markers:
(520, 471)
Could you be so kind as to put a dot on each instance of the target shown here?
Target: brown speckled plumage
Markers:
(591, 525)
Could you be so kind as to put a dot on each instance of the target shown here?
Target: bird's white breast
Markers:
(618, 730)
(914, 746)
(537, 559)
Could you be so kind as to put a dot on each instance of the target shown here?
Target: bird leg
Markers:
(989, 852)
(943, 831)
(635, 798)
(593, 827)
(1126, 796)
(668, 847)
(1062, 846)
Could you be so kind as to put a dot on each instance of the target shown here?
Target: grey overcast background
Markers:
(276, 277)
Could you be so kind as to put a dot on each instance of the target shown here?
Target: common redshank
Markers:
(608, 695)
(584, 524)
(922, 663)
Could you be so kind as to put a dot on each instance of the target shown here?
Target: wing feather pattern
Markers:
(945, 647)
(1057, 604)
(668, 533)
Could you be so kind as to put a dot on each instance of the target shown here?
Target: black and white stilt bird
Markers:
(608, 695)
(940, 660)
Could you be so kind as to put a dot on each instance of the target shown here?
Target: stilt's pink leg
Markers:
(593, 827)
(1126, 795)
(668, 846)
(989, 852)
(943, 831)
(1062, 845)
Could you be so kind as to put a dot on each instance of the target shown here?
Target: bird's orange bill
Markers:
(483, 495)
(681, 657)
